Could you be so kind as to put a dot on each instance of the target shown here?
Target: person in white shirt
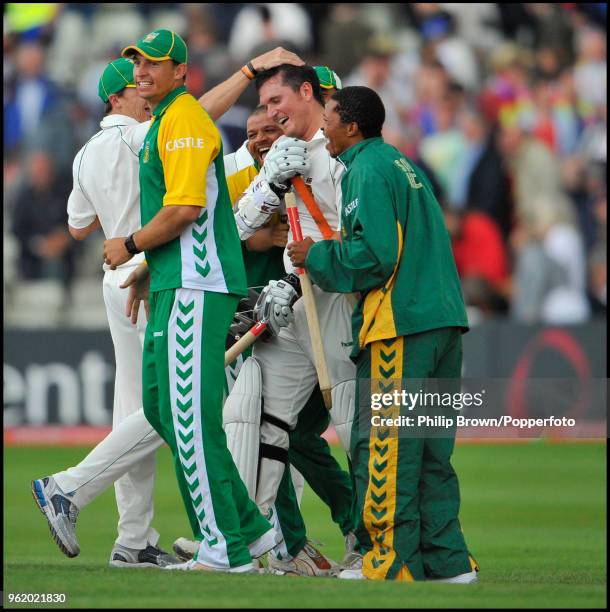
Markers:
(278, 379)
(106, 193)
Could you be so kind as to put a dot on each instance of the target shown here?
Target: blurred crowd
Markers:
(504, 105)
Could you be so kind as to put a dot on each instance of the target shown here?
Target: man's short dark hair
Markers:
(293, 77)
(363, 106)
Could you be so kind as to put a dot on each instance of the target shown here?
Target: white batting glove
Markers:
(286, 158)
(274, 305)
(257, 204)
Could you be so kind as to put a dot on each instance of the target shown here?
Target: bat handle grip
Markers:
(244, 342)
(295, 224)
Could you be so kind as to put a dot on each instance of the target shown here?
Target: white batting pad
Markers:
(342, 413)
(241, 418)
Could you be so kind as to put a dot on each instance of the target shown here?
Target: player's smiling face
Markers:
(335, 131)
(154, 80)
(262, 133)
(288, 108)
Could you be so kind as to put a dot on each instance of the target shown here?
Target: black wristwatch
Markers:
(130, 245)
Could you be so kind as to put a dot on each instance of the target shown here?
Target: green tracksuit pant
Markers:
(183, 387)
(407, 491)
(310, 453)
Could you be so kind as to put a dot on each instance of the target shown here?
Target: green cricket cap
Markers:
(158, 46)
(116, 76)
(328, 78)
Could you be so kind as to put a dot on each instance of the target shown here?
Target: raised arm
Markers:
(221, 98)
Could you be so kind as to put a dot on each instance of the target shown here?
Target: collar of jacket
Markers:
(348, 156)
(169, 98)
(114, 120)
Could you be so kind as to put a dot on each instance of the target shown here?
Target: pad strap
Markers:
(275, 421)
(273, 452)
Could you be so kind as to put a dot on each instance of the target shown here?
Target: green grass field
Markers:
(534, 515)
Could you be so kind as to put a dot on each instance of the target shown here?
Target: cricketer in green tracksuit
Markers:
(196, 279)
(395, 251)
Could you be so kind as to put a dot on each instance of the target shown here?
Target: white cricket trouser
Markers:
(126, 456)
(289, 373)
(287, 361)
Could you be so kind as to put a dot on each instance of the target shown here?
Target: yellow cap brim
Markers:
(135, 49)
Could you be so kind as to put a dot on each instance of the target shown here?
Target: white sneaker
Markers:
(193, 565)
(468, 578)
(151, 556)
(269, 540)
(308, 562)
(186, 549)
(61, 514)
(352, 574)
(352, 560)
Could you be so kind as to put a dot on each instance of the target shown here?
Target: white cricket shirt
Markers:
(240, 159)
(324, 178)
(106, 180)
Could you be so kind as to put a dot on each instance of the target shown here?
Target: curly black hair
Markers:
(363, 106)
(294, 77)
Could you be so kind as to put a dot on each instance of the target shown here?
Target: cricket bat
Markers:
(310, 307)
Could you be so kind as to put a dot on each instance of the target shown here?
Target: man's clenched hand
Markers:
(115, 252)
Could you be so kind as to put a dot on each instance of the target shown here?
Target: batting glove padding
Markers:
(286, 158)
(274, 305)
(255, 207)
(243, 319)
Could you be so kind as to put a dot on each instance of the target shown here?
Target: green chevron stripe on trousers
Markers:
(183, 381)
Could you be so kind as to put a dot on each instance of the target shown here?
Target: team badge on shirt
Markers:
(404, 165)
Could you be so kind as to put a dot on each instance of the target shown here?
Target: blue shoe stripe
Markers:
(39, 493)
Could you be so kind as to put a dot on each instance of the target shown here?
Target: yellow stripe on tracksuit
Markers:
(377, 315)
(380, 499)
